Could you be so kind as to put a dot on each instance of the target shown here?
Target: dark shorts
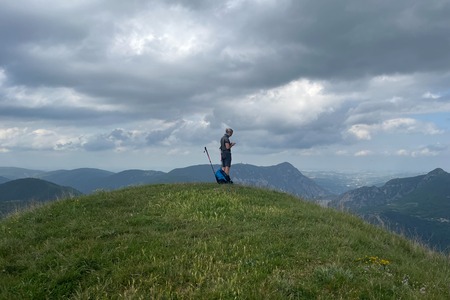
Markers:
(226, 159)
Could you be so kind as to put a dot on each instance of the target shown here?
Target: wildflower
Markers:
(374, 260)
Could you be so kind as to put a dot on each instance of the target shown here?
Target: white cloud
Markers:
(429, 95)
(361, 131)
(394, 126)
(51, 97)
(408, 125)
(363, 153)
(402, 152)
(42, 139)
(24, 138)
(2, 77)
(9, 134)
(342, 152)
(172, 34)
(424, 151)
(295, 104)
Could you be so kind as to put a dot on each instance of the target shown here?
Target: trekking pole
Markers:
(206, 150)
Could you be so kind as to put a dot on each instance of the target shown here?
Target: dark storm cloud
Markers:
(276, 43)
(55, 114)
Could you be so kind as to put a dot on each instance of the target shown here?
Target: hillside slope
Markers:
(20, 193)
(3, 179)
(204, 241)
(417, 206)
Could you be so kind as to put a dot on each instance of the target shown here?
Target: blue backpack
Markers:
(222, 177)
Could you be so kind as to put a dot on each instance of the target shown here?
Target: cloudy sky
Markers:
(324, 85)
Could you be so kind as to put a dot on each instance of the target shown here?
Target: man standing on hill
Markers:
(225, 148)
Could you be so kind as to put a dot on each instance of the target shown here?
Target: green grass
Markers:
(208, 241)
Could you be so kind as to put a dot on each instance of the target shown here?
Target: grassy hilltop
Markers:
(205, 241)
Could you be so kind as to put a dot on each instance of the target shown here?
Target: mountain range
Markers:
(283, 177)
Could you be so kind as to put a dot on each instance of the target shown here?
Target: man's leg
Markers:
(226, 163)
(226, 170)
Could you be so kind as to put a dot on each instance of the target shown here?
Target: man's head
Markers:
(229, 131)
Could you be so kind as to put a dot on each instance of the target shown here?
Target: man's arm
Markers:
(228, 144)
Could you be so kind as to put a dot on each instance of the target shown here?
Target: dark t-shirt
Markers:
(224, 140)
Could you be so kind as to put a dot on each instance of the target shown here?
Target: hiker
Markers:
(225, 147)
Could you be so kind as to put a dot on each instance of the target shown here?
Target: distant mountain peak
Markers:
(283, 177)
(393, 190)
(287, 167)
(437, 171)
(435, 174)
(285, 164)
